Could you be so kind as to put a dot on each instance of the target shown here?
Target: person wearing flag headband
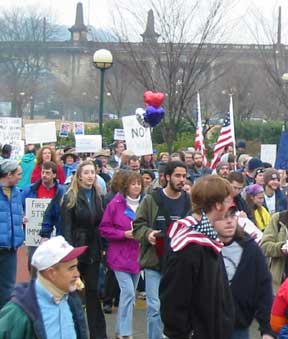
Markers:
(194, 290)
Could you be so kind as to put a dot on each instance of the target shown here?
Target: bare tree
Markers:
(180, 63)
(22, 57)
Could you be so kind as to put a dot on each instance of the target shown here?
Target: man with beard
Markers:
(198, 169)
(154, 215)
(275, 200)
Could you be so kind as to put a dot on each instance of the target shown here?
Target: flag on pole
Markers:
(199, 138)
(226, 136)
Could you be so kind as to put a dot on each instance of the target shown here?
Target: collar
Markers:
(52, 291)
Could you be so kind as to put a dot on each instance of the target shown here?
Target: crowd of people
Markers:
(207, 248)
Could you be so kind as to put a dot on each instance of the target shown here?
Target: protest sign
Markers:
(64, 129)
(10, 133)
(88, 143)
(78, 128)
(138, 138)
(40, 133)
(268, 153)
(35, 209)
(119, 134)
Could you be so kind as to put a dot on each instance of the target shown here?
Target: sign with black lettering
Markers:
(138, 138)
(35, 209)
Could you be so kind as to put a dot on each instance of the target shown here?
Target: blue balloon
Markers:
(153, 115)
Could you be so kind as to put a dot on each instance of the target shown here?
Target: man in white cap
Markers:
(47, 307)
(11, 226)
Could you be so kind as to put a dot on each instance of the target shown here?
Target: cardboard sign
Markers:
(78, 128)
(88, 143)
(35, 209)
(11, 133)
(138, 138)
(119, 134)
(268, 153)
(40, 133)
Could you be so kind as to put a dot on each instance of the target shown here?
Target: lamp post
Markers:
(102, 59)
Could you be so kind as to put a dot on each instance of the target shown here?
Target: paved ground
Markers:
(139, 313)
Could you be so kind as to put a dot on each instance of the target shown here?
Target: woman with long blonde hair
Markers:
(81, 213)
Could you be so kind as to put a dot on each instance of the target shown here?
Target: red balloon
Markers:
(154, 99)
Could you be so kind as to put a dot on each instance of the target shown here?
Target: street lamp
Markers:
(102, 59)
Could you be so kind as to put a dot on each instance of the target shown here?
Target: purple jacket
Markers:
(122, 254)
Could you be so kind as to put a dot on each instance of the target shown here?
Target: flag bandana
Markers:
(189, 230)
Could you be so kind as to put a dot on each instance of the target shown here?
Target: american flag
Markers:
(181, 233)
(225, 139)
(199, 138)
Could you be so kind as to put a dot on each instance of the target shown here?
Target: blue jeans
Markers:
(240, 334)
(8, 267)
(128, 284)
(152, 281)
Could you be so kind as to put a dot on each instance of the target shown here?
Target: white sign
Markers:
(119, 134)
(40, 133)
(88, 143)
(11, 133)
(268, 153)
(35, 209)
(138, 138)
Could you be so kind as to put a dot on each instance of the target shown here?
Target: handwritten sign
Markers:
(119, 134)
(138, 138)
(40, 133)
(88, 143)
(35, 209)
(10, 133)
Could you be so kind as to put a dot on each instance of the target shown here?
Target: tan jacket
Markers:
(271, 243)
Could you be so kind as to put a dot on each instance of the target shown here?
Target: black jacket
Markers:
(251, 288)
(195, 295)
(80, 225)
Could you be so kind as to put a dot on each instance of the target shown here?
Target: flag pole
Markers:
(231, 110)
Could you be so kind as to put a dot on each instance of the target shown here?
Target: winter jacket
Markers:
(274, 237)
(195, 295)
(251, 288)
(52, 215)
(11, 218)
(122, 254)
(280, 201)
(36, 174)
(21, 317)
(80, 224)
(196, 173)
(146, 216)
(27, 164)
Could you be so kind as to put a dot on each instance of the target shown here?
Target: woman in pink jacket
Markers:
(123, 249)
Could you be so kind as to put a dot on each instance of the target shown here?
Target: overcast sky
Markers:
(98, 12)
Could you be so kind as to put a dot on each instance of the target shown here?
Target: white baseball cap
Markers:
(53, 251)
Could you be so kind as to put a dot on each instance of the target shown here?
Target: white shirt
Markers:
(270, 203)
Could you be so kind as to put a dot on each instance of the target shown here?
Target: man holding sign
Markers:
(46, 188)
(11, 231)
